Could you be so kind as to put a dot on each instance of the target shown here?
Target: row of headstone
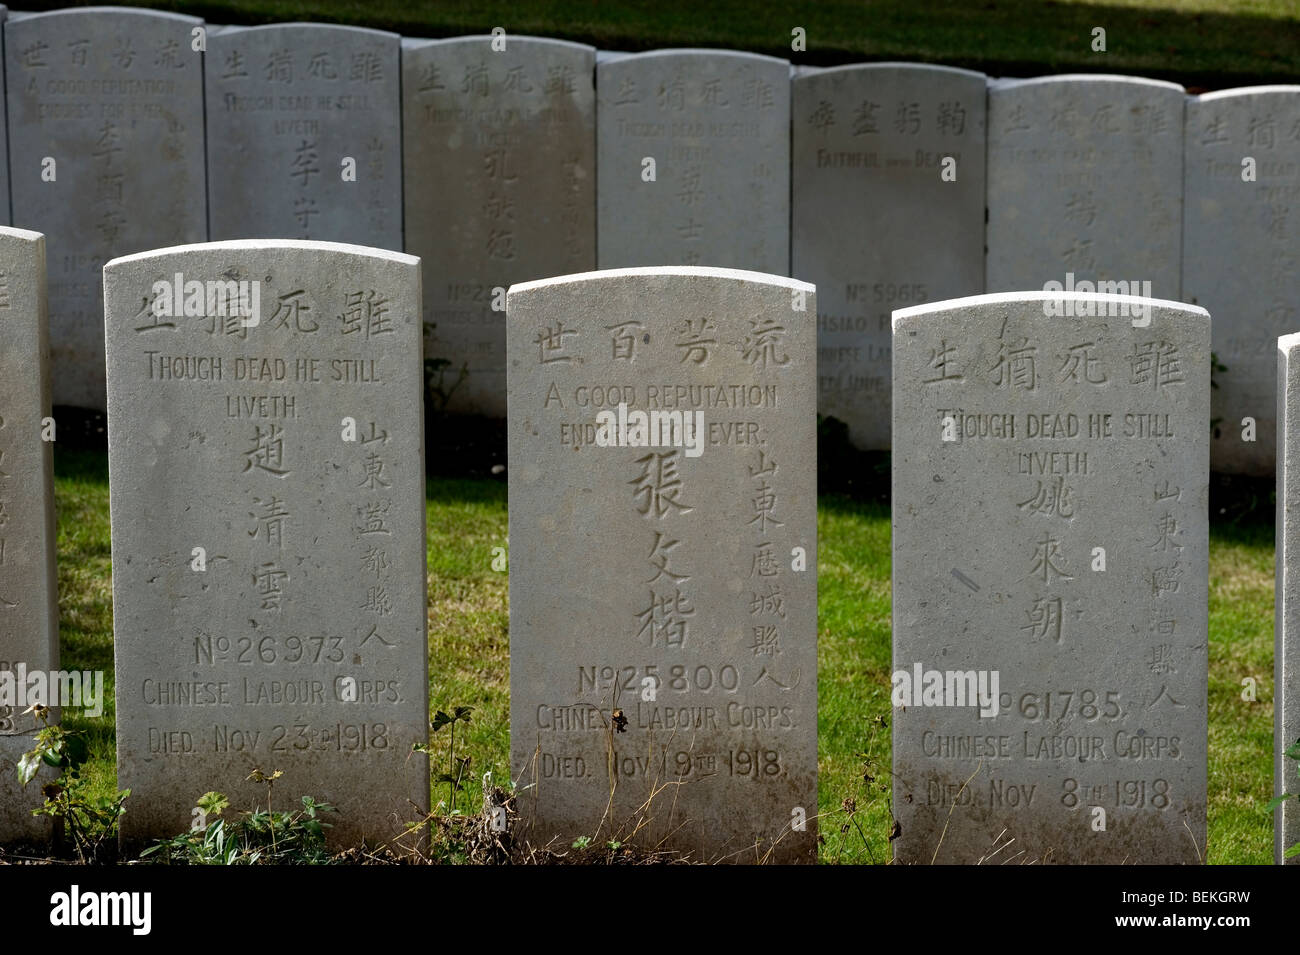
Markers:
(1049, 559)
(525, 157)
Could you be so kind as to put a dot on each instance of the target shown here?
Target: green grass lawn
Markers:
(469, 653)
(1213, 43)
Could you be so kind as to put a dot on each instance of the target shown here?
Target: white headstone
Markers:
(1085, 184)
(663, 632)
(266, 480)
(29, 613)
(106, 158)
(1286, 629)
(500, 171)
(887, 204)
(693, 160)
(304, 133)
(1241, 226)
(1050, 534)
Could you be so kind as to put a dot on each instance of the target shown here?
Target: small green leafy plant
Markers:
(295, 837)
(1292, 752)
(456, 769)
(88, 822)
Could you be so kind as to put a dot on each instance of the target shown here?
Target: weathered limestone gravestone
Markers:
(1286, 632)
(1240, 255)
(717, 126)
(663, 589)
(29, 615)
(500, 170)
(1050, 579)
(876, 222)
(106, 151)
(266, 473)
(1085, 183)
(304, 122)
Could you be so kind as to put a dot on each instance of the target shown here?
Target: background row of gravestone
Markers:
(500, 166)
(269, 560)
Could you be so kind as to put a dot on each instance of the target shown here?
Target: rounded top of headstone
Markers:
(696, 271)
(300, 26)
(995, 299)
(896, 65)
(15, 16)
(1278, 89)
(1288, 343)
(696, 52)
(26, 235)
(424, 43)
(1003, 84)
(267, 245)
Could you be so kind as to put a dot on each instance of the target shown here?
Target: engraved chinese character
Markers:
(234, 68)
(1052, 499)
(1161, 659)
(559, 80)
(374, 518)
(940, 359)
(33, 55)
(769, 602)
(77, 50)
(1156, 363)
(695, 347)
(1166, 529)
(623, 340)
(1081, 209)
(689, 192)
(374, 477)
(304, 208)
(291, 307)
(1080, 358)
(1044, 619)
(304, 165)
(1166, 580)
(1215, 132)
(659, 560)
(672, 94)
(366, 311)
(269, 517)
(766, 642)
(667, 617)
(374, 560)
(123, 53)
(279, 67)
(822, 117)
(764, 562)
(377, 601)
(628, 94)
(764, 501)
(270, 580)
(907, 118)
(760, 346)
(1016, 366)
(952, 118)
(321, 66)
(658, 485)
(1044, 567)
(711, 93)
(1259, 132)
(550, 343)
(757, 94)
(431, 79)
(864, 119)
(267, 453)
(367, 67)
